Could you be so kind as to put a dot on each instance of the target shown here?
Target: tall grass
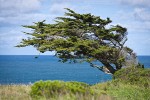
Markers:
(122, 91)
(23, 92)
(15, 92)
(128, 92)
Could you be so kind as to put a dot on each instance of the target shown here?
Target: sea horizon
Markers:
(25, 69)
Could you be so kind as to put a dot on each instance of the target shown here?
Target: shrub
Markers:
(54, 88)
(134, 76)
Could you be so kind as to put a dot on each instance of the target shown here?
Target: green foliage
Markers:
(81, 37)
(49, 89)
(134, 76)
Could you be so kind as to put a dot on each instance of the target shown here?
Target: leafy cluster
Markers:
(81, 37)
(54, 88)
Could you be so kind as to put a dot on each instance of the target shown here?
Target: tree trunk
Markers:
(109, 67)
(118, 66)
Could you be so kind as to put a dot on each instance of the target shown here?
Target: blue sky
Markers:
(132, 14)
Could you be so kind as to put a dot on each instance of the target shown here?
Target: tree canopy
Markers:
(82, 37)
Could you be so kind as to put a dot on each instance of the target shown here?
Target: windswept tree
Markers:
(83, 37)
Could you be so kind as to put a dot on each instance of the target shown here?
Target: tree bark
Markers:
(118, 66)
(109, 67)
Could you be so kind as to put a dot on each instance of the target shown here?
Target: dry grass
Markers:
(15, 92)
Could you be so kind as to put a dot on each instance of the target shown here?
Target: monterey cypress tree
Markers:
(83, 37)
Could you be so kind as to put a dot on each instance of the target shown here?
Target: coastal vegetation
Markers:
(127, 84)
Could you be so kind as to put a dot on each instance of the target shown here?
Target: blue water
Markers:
(27, 69)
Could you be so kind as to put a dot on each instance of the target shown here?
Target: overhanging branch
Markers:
(102, 68)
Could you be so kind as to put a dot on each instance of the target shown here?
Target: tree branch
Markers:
(102, 68)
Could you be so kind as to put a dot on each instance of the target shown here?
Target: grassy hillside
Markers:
(128, 84)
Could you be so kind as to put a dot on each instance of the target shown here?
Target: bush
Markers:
(54, 88)
(134, 76)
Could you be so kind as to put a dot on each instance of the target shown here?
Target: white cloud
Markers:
(17, 12)
(15, 7)
(136, 20)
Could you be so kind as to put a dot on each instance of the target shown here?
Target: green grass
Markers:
(128, 84)
(123, 91)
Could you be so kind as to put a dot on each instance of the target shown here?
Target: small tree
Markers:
(82, 37)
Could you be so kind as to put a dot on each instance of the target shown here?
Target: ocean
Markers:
(26, 69)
